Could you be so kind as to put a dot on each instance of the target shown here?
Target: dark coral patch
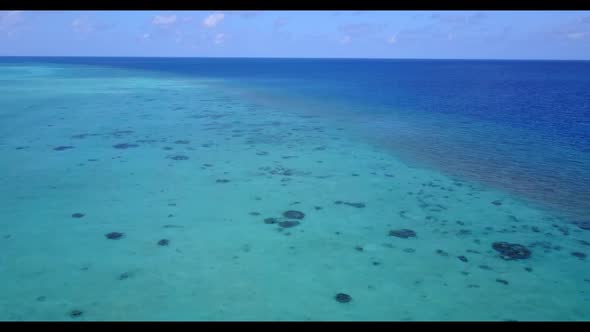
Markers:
(356, 205)
(163, 242)
(288, 223)
(63, 148)
(497, 203)
(178, 157)
(122, 132)
(464, 232)
(254, 213)
(402, 233)
(270, 221)
(502, 281)
(124, 275)
(580, 255)
(293, 214)
(182, 141)
(222, 180)
(76, 313)
(77, 215)
(343, 298)
(462, 259)
(585, 225)
(114, 235)
(122, 146)
(511, 251)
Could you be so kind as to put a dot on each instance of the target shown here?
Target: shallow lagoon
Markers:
(135, 195)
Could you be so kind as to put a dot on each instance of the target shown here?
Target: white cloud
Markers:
(178, 36)
(164, 20)
(219, 38)
(359, 29)
(279, 23)
(345, 40)
(10, 20)
(246, 14)
(83, 25)
(576, 35)
(392, 40)
(457, 21)
(574, 29)
(146, 36)
(213, 20)
(170, 27)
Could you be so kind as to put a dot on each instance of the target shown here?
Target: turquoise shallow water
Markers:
(204, 163)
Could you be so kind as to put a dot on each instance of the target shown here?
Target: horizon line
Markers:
(289, 58)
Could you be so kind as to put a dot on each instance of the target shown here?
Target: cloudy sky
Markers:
(334, 34)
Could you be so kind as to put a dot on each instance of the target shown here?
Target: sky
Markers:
(295, 34)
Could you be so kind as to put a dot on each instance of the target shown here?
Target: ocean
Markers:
(294, 189)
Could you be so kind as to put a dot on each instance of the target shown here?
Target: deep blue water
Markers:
(523, 126)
